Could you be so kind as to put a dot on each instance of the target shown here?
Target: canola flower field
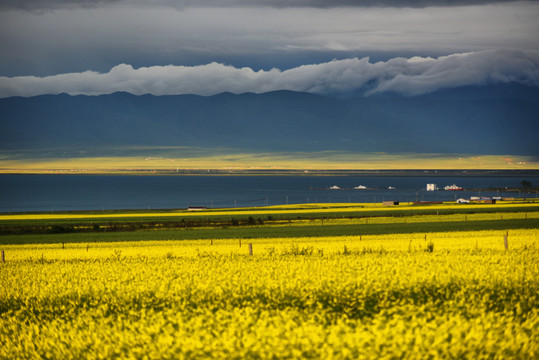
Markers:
(446, 294)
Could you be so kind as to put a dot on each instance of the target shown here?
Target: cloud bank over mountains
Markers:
(407, 76)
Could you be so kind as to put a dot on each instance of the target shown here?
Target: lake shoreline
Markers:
(298, 172)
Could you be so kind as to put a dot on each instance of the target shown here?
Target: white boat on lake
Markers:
(360, 187)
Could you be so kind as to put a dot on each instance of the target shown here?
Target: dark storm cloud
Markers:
(40, 5)
(75, 40)
(356, 3)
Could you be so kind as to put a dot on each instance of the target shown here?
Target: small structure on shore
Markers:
(196, 208)
(390, 203)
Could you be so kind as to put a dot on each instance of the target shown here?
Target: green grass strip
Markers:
(253, 232)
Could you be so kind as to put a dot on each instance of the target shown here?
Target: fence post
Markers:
(251, 249)
(505, 244)
(240, 242)
(3, 257)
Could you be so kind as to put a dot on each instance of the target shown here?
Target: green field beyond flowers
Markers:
(340, 282)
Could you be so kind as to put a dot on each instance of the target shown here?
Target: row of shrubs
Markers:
(127, 226)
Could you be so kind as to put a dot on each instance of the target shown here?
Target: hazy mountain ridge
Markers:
(477, 120)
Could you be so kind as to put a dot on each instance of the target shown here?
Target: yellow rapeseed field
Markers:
(457, 295)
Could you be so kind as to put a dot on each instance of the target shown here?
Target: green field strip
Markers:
(253, 232)
(326, 209)
(264, 214)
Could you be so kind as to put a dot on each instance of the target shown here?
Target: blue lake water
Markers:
(20, 193)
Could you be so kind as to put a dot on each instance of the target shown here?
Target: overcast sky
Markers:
(207, 47)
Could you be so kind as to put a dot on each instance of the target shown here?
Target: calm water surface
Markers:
(89, 192)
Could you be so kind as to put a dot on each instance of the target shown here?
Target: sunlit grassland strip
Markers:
(234, 160)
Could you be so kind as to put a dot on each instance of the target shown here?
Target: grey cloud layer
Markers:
(37, 5)
(408, 76)
(64, 41)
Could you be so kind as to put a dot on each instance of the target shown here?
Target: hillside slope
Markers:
(479, 120)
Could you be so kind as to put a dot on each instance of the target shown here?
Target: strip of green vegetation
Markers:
(207, 218)
(252, 232)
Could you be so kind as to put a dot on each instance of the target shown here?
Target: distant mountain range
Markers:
(502, 119)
